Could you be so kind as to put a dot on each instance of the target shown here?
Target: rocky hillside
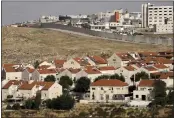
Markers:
(29, 44)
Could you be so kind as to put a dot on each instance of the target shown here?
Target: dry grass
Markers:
(28, 44)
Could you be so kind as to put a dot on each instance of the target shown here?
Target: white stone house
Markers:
(127, 72)
(51, 90)
(96, 61)
(143, 93)
(27, 74)
(119, 59)
(10, 88)
(75, 63)
(107, 70)
(108, 90)
(12, 71)
(161, 67)
(41, 74)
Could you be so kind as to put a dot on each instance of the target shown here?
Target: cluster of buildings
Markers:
(23, 80)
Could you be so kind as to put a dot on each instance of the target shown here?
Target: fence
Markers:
(125, 38)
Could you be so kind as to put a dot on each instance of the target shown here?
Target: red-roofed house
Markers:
(89, 72)
(12, 71)
(119, 59)
(149, 69)
(27, 74)
(48, 90)
(75, 63)
(144, 90)
(108, 70)
(161, 67)
(40, 74)
(59, 63)
(96, 61)
(105, 90)
(10, 88)
(127, 72)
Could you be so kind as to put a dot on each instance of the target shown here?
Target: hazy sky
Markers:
(19, 11)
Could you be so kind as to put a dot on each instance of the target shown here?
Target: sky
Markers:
(19, 11)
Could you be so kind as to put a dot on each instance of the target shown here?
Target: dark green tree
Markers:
(37, 100)
(16, 106)
(139, 75)
(170, 97)
(114, 76)
(121, 78)
(66, 82)
(82, 84)
(36, 64)
(102, 77)
(159, 93)
(50, 78)
(29, 104)
(8, 107)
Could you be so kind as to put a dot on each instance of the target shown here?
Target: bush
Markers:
(64, 102)
(16, 106)
(9, 96)
(8, 107)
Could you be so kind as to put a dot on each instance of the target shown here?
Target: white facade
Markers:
(107, 93)
(161, 16)
(54, 91)
(13, 75)
(71, 63)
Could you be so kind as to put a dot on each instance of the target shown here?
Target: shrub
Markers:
(8, 107)
(16, 106)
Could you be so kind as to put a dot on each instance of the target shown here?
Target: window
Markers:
(160, 14)
(45, 95)
(155, 8)
(170, 14)
(101, 88)
(155, 11)
(16, 77)
(136, 96)
(150, 17)
(165, 11)
(114, 59)
(165, 14)
(160, 8)
(93, 88)
(118, 88)
(72, 62)
(150, 8)
(150, 14)
(170, 11)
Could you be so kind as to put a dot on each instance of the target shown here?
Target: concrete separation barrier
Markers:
(124, 38)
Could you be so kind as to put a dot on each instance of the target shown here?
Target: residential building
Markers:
(159, 16)
(12, 71)
(27, 74)
(107, 70)
(119, 59)
(59, 63)
(40, 74)
(96, 61)
(108, 90)
(144, 92)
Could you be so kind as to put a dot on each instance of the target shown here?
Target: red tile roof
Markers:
(98, 59)
(160, 66)
(59, 63)
(124, 56)
(130, 68)
(12, 82)
(30, 70)
(92, 70)
(107, 68)
(81, 61)
(111, 82)
(43, 67)
(46, 71)
(146, 54)
(150, 68)
(27, 86)
(148, 83)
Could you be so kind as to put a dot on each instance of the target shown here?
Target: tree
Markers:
(159, 93)
(139, 75)
(29, 104)
(50, 78)
(65, 82)
(170, 97)
(121, 78)
(102, 77)
(16, 106)
(8, 107)
(114, 76)
(82, 84)
(37, 99)
(63, 102)
(36, 64)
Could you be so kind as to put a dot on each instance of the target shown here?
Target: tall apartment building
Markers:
(158, 17)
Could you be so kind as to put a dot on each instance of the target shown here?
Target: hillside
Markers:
(29, 44)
